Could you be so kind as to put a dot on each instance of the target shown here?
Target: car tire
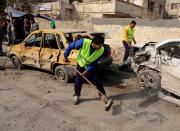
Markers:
(61, 74)
(16, 63)
(149, 79)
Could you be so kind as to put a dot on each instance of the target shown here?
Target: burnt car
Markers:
(157, 66)
(44, 49)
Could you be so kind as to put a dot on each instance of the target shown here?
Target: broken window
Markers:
(50, 41)
(34, 40)
(59, 40)
(151, 6)
(171, 49)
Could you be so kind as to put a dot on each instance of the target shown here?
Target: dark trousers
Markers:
(95, 75)
(1, 50)
(127, 49)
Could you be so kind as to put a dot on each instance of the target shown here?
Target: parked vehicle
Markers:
(45, 49)
(157, 66)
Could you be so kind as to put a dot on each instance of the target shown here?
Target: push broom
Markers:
(108, 103)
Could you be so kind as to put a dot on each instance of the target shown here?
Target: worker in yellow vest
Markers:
(127, 38)
(87, 62)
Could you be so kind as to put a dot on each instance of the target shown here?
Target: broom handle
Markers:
(90, 83)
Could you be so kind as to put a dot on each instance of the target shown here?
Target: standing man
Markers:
(27, 26)
(128, 37)
(87, 62)
(34, 25)
(1, 37)
(9, 33)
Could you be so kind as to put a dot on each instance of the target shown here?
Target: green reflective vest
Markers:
(130, 34)
(84, 58)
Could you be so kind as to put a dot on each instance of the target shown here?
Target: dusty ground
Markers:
(32, 100)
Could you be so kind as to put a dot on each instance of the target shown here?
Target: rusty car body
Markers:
(44, 49)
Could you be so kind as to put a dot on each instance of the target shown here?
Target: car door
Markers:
(50, 51)
(63, 42)
(170, 70)
(30, 50)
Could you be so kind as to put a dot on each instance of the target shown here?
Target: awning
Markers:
(15, 13)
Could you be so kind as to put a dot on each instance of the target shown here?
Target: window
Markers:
(69, 37)
(34, 40)
(59, 40)
(160, 9)
(151, 6)
(175, 5)
(50, 41)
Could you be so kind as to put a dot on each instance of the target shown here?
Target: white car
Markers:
(157, 65)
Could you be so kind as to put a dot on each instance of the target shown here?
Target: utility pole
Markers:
(178, 12)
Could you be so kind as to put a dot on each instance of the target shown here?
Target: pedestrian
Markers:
(87, 63)
(34, 25)
(27, 27)
(1, 37)
(53, 25)
(10, 31)
(127, 38)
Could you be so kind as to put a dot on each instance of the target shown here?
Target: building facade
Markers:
(173, 9)
(87, 9)
(149, 9)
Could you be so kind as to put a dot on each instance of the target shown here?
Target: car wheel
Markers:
(149, 79)
(61, 74)
(16, 63)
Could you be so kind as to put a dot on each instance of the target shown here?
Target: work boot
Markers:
(76, 100)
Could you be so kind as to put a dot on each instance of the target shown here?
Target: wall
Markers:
(155, 14)
(145, 31)
(94, 9)
(129, 9)
(173, 12)
(83, 25)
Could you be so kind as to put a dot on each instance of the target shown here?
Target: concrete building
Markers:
(87, 9)
(61, 9)
(173, 9)
(151, 9)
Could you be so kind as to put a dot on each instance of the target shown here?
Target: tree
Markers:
(22, 5)
(2, 5)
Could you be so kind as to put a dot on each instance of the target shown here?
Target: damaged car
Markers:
(45, 48)
(157, 65)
